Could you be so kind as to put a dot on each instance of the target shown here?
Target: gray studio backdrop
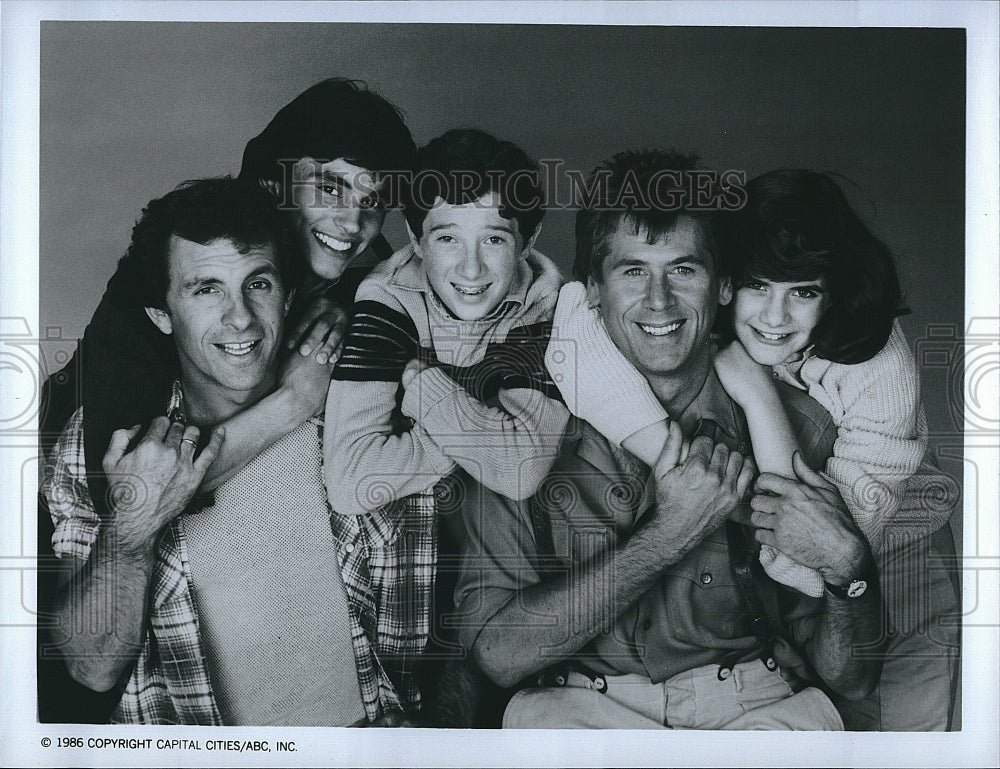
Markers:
(128, 110)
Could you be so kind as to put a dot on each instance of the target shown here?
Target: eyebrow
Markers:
(206, 280)
(497, 227)
(812, 286)
(330, 177)
(342, 180)
(631, 261)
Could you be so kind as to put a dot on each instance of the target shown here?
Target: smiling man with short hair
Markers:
(629, 596)
(257, 606)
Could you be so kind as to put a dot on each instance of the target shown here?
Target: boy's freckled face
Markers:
(470, 254)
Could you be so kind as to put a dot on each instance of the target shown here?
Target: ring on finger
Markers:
(192, 441)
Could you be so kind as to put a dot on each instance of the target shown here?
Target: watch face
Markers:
(857, 588)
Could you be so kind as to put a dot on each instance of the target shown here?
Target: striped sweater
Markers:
(485, 401)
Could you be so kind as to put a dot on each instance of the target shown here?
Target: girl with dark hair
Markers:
(816, 297)
(815, 305)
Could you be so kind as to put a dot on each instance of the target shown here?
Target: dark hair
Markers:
(336, 118)
(465, 164)
(202, 211)
(646, 190)
(798, 226)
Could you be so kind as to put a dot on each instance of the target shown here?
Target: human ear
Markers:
(161, 319)
(530, 245)
(289, 297)
(414, 241)
(272, 186)
(725, 291)
(593, 294)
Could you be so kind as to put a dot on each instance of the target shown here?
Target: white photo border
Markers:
(22, 738)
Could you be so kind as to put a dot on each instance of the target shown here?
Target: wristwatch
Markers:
(853, 589)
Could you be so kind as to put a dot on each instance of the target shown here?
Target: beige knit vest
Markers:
(271, 604)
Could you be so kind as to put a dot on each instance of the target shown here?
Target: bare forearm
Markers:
(250, 432)
(774, 442)
(845, 646)
(101, 612)
(551, 620)
(846, 650)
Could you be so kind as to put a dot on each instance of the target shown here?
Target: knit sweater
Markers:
(485, 401)
(878, 461)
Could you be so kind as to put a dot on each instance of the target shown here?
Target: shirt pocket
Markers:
(702, 600)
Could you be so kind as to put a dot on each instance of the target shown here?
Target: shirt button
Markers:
(349, 547)
(647, 624)
(706, 578)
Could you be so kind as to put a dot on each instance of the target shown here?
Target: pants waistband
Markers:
(750, 673)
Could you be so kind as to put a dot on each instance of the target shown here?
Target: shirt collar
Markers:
(714, 404)
(410, 275)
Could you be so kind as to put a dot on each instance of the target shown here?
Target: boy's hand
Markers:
(320, 331)
(307, 381)
(742, 377)
(413, 368)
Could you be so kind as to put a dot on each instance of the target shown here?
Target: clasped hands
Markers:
(700, 483)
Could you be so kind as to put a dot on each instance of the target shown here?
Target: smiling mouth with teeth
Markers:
(770, 337)
(238, 348)
(661, 330)
(471, 290)
(332, 243)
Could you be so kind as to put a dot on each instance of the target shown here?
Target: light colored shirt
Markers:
(386, 561)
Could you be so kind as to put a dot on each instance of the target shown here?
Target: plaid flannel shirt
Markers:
(388, 574)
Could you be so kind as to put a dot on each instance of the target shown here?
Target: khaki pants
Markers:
(752, 697)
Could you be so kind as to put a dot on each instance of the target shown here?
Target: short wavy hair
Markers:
(644, 190)
(463, 165)
(203, 211)
(335, 118)
(798, 226)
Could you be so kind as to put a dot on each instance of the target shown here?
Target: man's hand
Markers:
(321, 331)
(695, 494)
(152, 483)
(806, 519)
(742, 377)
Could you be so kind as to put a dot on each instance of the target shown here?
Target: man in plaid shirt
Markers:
(261, 605)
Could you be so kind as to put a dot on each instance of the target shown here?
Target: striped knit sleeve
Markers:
(379, 342)
(370, 457)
